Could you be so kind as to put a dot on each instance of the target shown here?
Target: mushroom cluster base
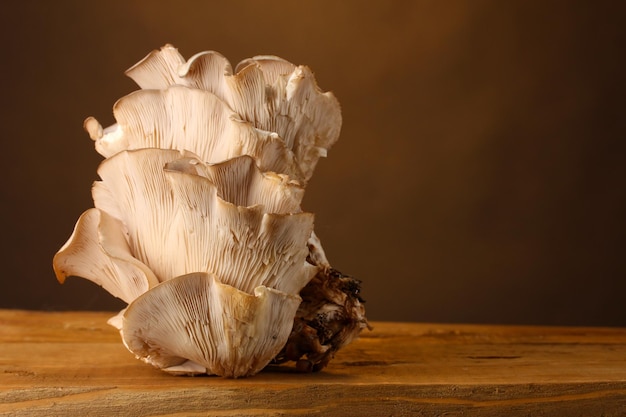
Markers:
(330, 316)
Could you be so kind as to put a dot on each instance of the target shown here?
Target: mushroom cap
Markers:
(178, 222)
(269, 109)
(197, 322)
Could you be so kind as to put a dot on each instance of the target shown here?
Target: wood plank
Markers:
(75, 364)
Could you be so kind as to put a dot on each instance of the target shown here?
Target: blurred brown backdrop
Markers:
(480, 172)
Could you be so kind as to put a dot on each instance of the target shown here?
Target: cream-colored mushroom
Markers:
(195, 324)
(248, 242)
(192, 120)
(198, 225)
(267, 100)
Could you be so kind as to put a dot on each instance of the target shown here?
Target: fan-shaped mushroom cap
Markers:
(218, 328)
(185, 119)
(170, 205)
(200, 106)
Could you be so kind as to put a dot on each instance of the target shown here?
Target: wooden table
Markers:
(56, 364)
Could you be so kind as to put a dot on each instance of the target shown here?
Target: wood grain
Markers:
(70, 364)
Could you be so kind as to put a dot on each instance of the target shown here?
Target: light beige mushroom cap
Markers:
(195, 324)
(160, 214)
(269, 109)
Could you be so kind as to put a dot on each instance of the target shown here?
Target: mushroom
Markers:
(197, 221)
(196, 324)
(215, 113)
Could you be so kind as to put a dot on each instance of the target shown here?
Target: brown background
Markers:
(480, 172)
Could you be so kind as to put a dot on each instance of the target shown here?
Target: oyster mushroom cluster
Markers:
(197, 222)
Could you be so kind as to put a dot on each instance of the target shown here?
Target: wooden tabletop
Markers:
(74, 364)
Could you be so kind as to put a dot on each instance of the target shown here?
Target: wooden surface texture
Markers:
(74, 364)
